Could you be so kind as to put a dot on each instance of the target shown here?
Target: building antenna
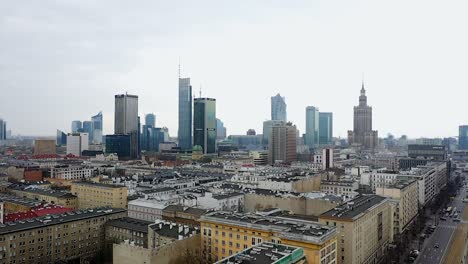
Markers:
(200, 89)
(179, 67)
(362, 80)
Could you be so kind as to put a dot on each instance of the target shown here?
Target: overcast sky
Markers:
(65, 60)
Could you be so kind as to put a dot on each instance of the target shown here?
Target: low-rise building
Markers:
(92, 194)
(62, 198)
(268, 253)
(71, 237)
(72, 172)
(404, 198)
(364, 229)
(182, 214)
(227, 233)
(133, 230)
(342, 188)
(226, 201)
(146, 209)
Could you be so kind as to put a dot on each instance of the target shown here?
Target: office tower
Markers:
(312, 127)
(88, 127)
(204, 124)
(3, 130)
(76, 126)
(151, 138)
(327, 158)
(185, 114)
(267, 125)
(463, 137)
(362, 134)
(44, 146)
(282, 144)
(126, 121)
(118, 144)
(61, 138)
(251, 132)
(98, 126)
(220, 129)
(150, 120)
(278, 108)
(325, 128)
(76, 143)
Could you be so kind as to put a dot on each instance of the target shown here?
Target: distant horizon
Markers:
(65, 61)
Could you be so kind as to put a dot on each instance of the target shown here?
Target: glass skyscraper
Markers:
(463, 137)
(3, 130)
(76, 126)
(150, 120)
(185, 114)
(204, 124)
(97, 128)
(325, 128)
(119, 144)
(88, 127)
(61, 138)
(312, 132)
(278, 108)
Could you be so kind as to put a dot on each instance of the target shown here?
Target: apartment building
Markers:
(363, 229)
(268, 253)
(226, 233)
(133, 230)
(72, 236)
(93, 194)
(404, 199)
(341, 188)
(62, 198)
(71, 172)
(146, 209)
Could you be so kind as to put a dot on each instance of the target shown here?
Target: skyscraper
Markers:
(204, 124)
(98, 126)
(267, 125)
(76, 143)
(88, 127)
(312, 126)
(278, 108)
(282, 144)
(325, 128)
(150, 120)
(76, 126)
(463, 137)
(362, 135)
(126, 120)
(3, 130)
(61, 138)
(185, 114)
(220, 129)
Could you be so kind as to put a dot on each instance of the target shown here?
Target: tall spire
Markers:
(363, 91)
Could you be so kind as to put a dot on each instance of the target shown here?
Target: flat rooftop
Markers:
(289, 228)
(130, 224)
(354, 208)
(266, 253)
(98, 184)
(57, 194)
(67, 217)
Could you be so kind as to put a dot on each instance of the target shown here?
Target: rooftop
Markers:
(97, 184)
(173, 230)
(57, 219)
(296, 229)
(130, 224)
(354, 208)
(57, 194)
(266, 253)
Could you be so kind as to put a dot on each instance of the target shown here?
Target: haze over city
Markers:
(62, 61)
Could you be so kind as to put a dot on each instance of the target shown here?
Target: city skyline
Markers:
(307, 69)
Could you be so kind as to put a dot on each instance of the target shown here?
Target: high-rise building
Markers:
(61, 138)
(251, 132)
(220, 129)
(463, 137)
(118, 144)
(151, 138)
(185, 114)
(150, 120)
(204, 124)
(76, 126)
(98, 126)
(362, 135)
(3, 130)
(126, 121)
(278, 108)
(76, 143)
(312, 126)
(88, 127)
(282, 144)
(325, 128)
(44, 146)
(267, 125)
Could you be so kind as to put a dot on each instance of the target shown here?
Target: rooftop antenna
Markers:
(200, 89)
(362, 80)
(179, 67)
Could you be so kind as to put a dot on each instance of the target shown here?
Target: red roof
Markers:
(41, 210)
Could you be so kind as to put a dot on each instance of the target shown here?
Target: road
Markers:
(442, 235)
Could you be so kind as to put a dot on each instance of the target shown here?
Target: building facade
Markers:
(312, 127)
(76, 143)
(126, 121)
(44, 146)
(76, 126)
(220, 129)
(118, 144)
(150, 120)
(3, 129)
(71, 172)
(97, 128)
(184, 134)
(278, 108)
(204, 124)
(362, 135)
(282, 144)
(463, 137)
(325, 128)
(92, 195)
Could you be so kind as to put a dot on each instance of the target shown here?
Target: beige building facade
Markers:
(91, 194)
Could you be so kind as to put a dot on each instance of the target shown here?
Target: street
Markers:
(442, 234)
